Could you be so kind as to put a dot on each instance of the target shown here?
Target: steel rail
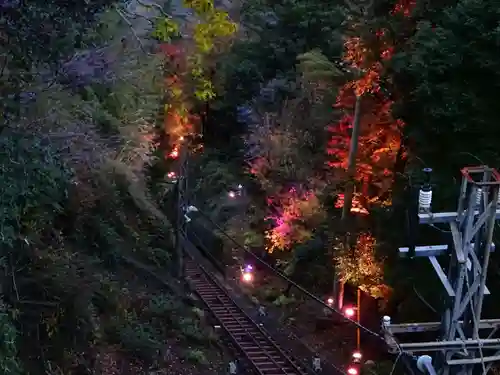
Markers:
(263, 353)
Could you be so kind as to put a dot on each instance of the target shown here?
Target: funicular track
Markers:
(262, 352)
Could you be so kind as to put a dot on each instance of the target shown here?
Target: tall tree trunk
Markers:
(340, 303)
(349, 191)
(398, 181)
(351, 163)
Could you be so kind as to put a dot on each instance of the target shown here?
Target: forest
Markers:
(99, 99)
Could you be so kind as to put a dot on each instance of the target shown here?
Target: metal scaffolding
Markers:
(467, 345)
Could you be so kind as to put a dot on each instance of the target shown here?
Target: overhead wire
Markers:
(399, 350)
(293, 283)
(336, 368)
(395, 363)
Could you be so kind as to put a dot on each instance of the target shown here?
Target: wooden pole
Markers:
(358, 318)
(349, 190)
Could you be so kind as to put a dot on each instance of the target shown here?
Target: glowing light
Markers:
(231, 194)
(349, 312)
(247, 277)
(240, 186)
(171, 175)
(248, 268)
(357, 355)
(181, 138)
(352, 371)
(329, 301)
(174, 154)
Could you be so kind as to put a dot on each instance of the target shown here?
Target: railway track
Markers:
(260, 350)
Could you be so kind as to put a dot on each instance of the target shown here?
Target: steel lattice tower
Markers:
(466, 344)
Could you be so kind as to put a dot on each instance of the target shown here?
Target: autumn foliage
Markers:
(379, 146)
(380, 133)
(188, 48)
(361, 267)
(366, 54)
(291, 211)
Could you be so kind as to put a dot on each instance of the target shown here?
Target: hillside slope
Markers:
(86, 254)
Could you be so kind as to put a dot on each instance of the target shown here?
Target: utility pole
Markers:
(182, 204)
(358, 319)
(349, 192)
(466, 343)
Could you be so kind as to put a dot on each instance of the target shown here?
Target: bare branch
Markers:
(134, 32)
(154, 5)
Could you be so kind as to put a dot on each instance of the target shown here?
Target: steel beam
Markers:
(424, 251)
(470, 361)
(433, 250)
(462, 351)
(434, 326)
(442, 276)
(445, 217)
(457, 242)
(451, 344)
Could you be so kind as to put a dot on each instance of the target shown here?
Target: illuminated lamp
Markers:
(349, 312)
(356, 356)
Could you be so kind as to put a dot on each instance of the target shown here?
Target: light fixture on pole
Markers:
(349, 312)
(357, 356)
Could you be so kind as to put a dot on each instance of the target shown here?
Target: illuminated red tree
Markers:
(380, 134)
(291, 212)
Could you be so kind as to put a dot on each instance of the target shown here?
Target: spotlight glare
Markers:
(349, 312)
(357, 355)
(247, 277)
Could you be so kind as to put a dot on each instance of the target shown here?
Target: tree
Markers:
(76, 213)
(361, 267)
(37, 37)
(447, 83)
(298, 26)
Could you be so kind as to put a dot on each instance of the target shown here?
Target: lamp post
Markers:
(352, 312)
(358, 319)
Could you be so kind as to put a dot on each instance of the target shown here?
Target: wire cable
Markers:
(395, 363)
(293, 283)
(291, 334)
(300, 288)
(399, 350)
